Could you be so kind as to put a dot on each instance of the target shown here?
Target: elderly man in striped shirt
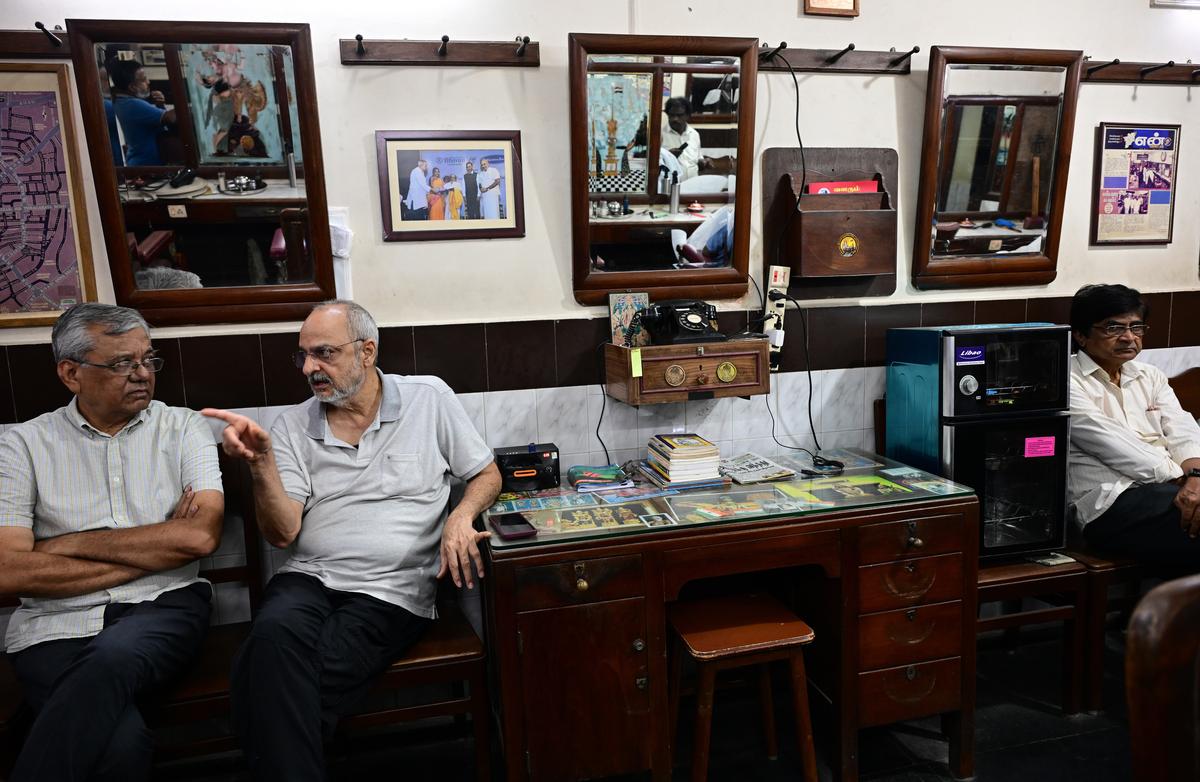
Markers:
(106, 505)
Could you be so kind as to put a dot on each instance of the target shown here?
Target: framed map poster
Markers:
(1133, 189)
(45, 246)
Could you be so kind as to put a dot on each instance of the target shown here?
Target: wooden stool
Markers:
(1017, 580)
(731, 632)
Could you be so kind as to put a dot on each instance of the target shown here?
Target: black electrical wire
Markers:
(803, 164)
(603, 400)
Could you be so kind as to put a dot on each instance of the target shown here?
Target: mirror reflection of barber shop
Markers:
(206, 145)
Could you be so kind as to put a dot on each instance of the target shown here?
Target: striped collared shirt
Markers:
(59, 475)
(1123, 435)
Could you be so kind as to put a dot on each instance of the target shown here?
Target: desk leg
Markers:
(959, 727)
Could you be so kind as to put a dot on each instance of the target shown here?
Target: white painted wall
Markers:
(530, 278)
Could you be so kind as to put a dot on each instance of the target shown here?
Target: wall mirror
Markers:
(206, 154)
(662, 129)
(998, 125)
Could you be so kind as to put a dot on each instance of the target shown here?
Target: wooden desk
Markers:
(577, 628)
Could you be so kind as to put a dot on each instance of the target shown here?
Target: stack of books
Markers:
(683, 461)
(605, 478)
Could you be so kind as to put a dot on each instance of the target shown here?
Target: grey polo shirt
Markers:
(59, 475)
(373, 514)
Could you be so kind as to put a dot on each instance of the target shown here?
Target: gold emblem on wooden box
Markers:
(675, 375)
(726, 371)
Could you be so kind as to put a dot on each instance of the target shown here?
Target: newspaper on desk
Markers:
(752, 468)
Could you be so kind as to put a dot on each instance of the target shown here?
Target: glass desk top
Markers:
(564, 515)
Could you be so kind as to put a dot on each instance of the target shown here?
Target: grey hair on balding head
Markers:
(362, 325)
(72, 337)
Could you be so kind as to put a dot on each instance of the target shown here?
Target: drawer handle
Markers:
(639, 645)
(911, 567)
(913, 540)
(582, 585)
(901, 691)
(911, 614)
(642, 682)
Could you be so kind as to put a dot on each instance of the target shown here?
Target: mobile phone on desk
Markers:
(512, 526)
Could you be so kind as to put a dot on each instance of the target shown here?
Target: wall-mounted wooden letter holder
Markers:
(837, 243)
(677, 373)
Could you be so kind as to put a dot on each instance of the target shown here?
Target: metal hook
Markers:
(894, 62)
(1152, 68)
(764, 54)
(360, 49)
(1102, 66)
(1195, 73)
(839, 55)
(524, 41)
(442, 49)
(54, 39)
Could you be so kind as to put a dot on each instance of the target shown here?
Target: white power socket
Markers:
(778, 279)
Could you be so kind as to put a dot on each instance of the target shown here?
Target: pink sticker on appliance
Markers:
(1039, 446)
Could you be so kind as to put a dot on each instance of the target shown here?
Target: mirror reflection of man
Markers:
(471, 192)
(417, 200)
(106, 505)
(1134, 461)
(489, 191)
(141, 111)
(680, 138)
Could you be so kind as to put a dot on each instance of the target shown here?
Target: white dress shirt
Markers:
(418, 189)
(1123, 436)
(689, 158)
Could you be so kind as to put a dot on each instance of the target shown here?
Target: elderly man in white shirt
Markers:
(417, 200)
(1134, 466)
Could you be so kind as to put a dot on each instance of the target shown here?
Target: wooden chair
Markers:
(1162, 680)
(731, 632)
(1066, 584)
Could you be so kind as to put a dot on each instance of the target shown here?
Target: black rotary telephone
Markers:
(677, 322)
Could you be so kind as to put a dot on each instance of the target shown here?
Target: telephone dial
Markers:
(677, 322)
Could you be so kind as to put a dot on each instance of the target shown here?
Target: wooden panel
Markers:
(699, 363)
(590, 719)
(483, 54)
(909, 635)
(580, 581)
(912, 538)
(745, 555)
(909, 691)
(909, 582)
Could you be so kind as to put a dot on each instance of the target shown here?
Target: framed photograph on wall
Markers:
(45, 246)
(831, 7)
(450, 184)
(1133, 185)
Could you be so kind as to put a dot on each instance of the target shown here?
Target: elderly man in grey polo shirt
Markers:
(357, 481)
(105, 507)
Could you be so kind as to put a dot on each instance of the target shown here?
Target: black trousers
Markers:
(85, 690)
(311, 656)
(1145, 524)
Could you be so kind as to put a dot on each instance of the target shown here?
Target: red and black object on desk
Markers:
(528, 467)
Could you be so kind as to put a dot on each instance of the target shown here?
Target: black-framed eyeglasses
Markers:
(1117, 329)
(322, 353)
(128, 366)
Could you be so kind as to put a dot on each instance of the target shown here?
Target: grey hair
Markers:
(72, 337)
(362, 325)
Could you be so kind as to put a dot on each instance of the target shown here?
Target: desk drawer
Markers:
(912, 538)
(909, 635)
(896, 694)
(909, 582)
(579, 581)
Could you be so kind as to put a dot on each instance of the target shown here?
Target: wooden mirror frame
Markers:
(593, 287)
(234, 304)
(990, 270)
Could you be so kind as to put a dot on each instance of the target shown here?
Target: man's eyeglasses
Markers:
(128, 366)
(1117, 329)
(322, 354)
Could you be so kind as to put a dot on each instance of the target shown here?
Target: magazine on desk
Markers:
(752, 468)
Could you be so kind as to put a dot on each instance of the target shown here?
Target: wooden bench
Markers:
(450, 653)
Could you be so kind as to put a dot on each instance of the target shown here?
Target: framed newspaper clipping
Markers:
(1133, 190)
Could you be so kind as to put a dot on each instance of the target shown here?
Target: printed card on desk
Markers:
(622, 307)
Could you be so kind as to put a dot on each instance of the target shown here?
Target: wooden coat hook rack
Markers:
(848, 59)
(42, 43)
(520, 53)
(1120, 72)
